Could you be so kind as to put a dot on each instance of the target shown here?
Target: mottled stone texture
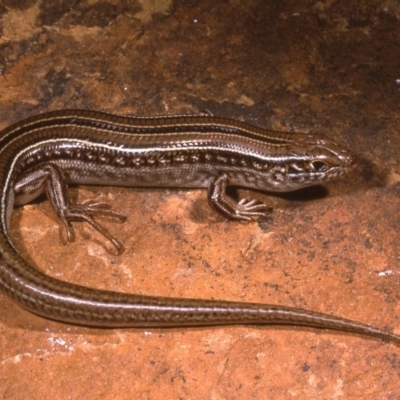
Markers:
(331, 66)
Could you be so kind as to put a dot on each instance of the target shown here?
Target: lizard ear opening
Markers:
(295, 168)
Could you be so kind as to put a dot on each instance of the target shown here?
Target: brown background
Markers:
(328, 66)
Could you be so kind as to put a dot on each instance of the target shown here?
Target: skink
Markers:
(45, 153)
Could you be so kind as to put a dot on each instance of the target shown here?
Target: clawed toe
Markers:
(85, 212)
(252, 209)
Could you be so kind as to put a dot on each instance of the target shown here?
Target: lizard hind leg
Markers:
(50, 179)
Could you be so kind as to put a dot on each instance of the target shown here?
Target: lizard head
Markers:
(310, 160)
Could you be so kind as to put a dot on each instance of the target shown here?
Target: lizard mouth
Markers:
(340, 165)
(307, 173)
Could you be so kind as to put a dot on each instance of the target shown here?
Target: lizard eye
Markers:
(319, 166)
